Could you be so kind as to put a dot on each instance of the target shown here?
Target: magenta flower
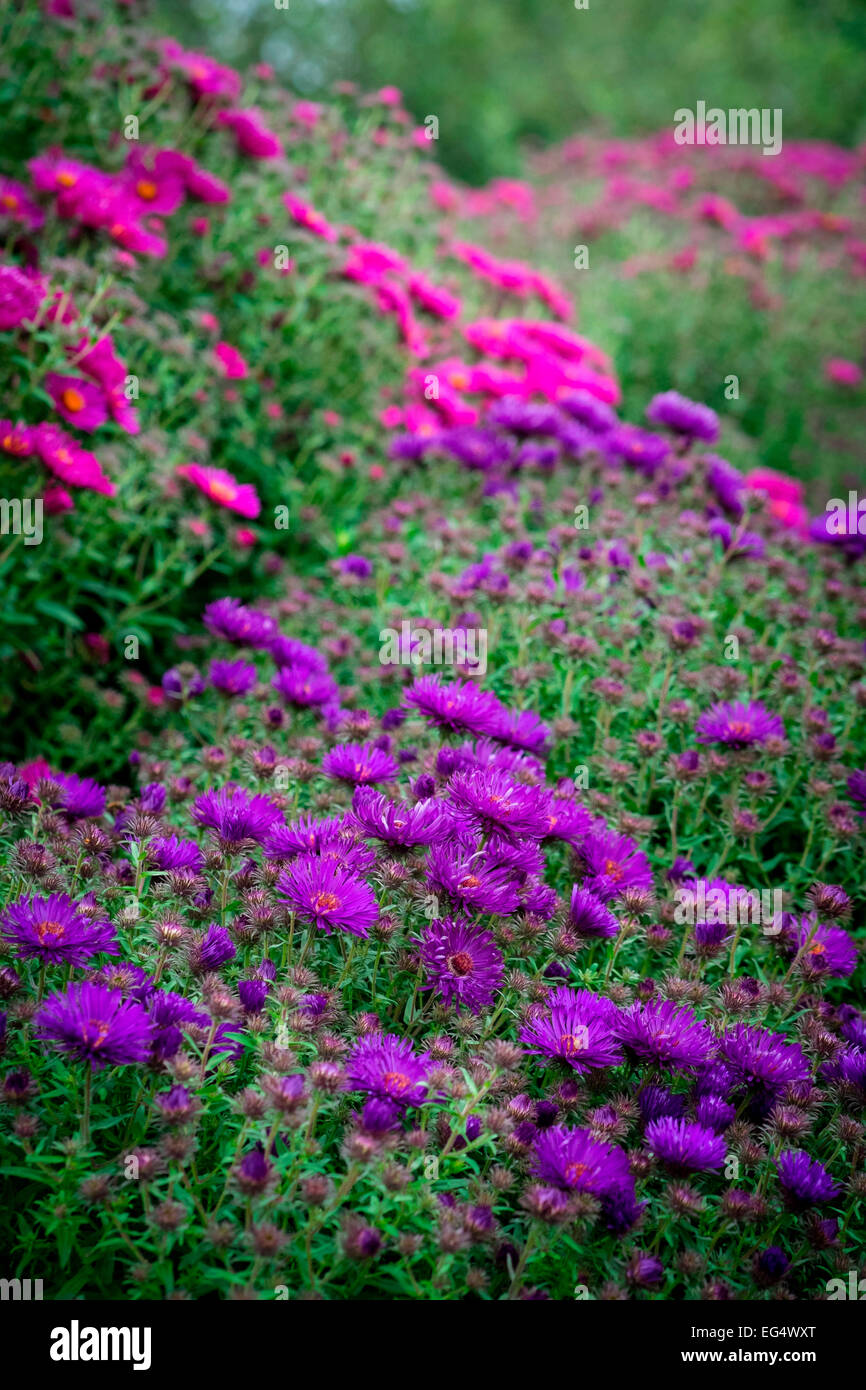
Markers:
(666, 1034)
(575, 1160)
(235, 816)
(326, 895)
(458, 706)
(232, 678)
(222, 488)
(491, 802)
(359, 764)
(95, 1025)
(387, 1066)
(230, 619)
(54, 930)
(396, 822)
(463, 963)
(613, 863)
(805, 1181)
(20, 297)
(579, 1030)
(738, 725)
(685, 1147)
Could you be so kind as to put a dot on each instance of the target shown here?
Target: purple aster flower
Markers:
(738, 725)
(468, 879)
(589, 917)
(824, 949)
(685, 1147)
(359, 764)
(396, 822)
(168, 852)
(53, 930)
(232, 678)
(714, 1112)
(252, 994)
(247, 627)
(331, 838)
(682, 416)
(288, 651)
(171, 1015)
(176, 1106)
(81, 798)
(612, 863)
(850, 1066)
(727, 484)
(212, 948)
(380, 1117)
(235, 816)
(522, 729)
(805, 1181)
(666, 1034)
(464, 963)
(657, 1101)
(387, 1066)
(638, 448)
(740, 545)
(458, 706)
(305, 687)
(476, 448)
(572, 1159)
(95, 1025)
(180, 688)
(856, 785)
(493, 803)
(524, 417)
(763, 1061)
(578, 1030)
(567, 820)
(327, 895)
(356, 565)
(589, 411)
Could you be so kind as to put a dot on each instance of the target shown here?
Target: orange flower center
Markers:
(222, 492)
(327, 902)
(9, 201)
(573, 1172)
(613, 870)
(743, 728)
(67, 179)
(470, 881)
(147, 189)
(396, 1081)
(13, 445)
(571, 1043)
(54, 930)
(72, 399)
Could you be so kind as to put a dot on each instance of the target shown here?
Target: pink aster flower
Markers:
(233, 365)
(20, 297)
(251, 133)
(16, 203)
(79, 402)
(62, 455)
(306, 216)
(222, 488)
(738, 725)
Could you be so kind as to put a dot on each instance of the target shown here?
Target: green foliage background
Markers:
(501, 72)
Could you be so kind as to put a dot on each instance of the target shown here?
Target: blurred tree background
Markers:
(501, 73)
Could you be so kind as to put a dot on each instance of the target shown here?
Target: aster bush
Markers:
(528, 971)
